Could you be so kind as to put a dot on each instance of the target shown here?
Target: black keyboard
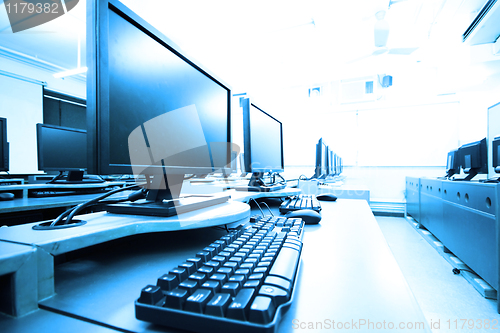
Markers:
(242, 282)
(301, 201)
(264, 188)
(44, 193)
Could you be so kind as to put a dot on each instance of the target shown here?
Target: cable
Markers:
(70, 213)
(268, 208)
(457, 271)
(59, 176)
(258, 206)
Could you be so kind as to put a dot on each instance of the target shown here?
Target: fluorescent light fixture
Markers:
(79, 70)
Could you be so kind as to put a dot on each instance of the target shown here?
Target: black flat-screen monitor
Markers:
(495, 147)
(151, 109)
(474, 158)
(4, 146)
(321, 164)
(452, 163)
(62, 149)
(339, 166)
(263, 143)
(331, 162)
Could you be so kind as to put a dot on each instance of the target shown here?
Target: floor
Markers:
(448, 301)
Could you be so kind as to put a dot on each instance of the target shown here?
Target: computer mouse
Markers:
(4, 196)
(308, 215)
(326, 197)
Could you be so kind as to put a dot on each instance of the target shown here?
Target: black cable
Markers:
(258, 206)
(70, 213)
(457, 271)
(59, 176)
(268, 208)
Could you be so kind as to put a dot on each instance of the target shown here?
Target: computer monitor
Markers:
(474, 158)
(4, 146)
(452, 163)
(263, 145)
(152, 111)
(495, 146)
(321, 165)
(339, 166)
(62, 149)
(331, 162)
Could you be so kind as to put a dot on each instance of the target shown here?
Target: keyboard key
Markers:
(217, 306)
(231, 288)
(278, 295)
(212, 285)
(167, 282)
(197, 301)
(151, 295)
(176, 297)
(239, 307)
(181, 273)
(262, 310)
(285, 264)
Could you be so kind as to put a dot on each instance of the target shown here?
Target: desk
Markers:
(361, 279)
(24, 208)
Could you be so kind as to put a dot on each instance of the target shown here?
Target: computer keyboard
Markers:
(44, 193)
(242, 282)
(263, 188)
(301, 201)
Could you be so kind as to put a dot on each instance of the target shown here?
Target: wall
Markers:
(405, 130)
(21, 103)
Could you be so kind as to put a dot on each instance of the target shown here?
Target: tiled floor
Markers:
(448, 301)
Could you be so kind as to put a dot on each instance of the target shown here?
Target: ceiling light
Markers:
(79, 70)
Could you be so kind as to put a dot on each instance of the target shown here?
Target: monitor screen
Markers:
(263, 140)
(4, 146)
(495, 147)
(473, 157)
(453, 162)
(338, 165)
(331, 162)
(151, 110)
(61, 148)
(321, 165)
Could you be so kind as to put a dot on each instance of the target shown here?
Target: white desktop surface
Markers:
(347, 274)
(102, 227)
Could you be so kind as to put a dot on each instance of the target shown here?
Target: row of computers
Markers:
(472, 159)
(328, 163)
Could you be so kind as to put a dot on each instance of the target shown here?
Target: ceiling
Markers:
(252, 44)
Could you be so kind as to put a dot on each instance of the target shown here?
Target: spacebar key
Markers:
(285, 264)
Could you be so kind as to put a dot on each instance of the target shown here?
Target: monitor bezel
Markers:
(321, 164)
(4, 158)
(478, 147)
(247, 130)
(495, 144)
(456, 161)
(98, 110)
(40, 146)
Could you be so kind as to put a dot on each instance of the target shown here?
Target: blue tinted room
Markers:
(253, 166)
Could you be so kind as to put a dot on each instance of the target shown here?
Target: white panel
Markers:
(408, 136)
(21, 104)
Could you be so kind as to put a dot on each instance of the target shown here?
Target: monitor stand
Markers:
(472, 174)
(73, 178)
(164, 199)
(257, 184)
